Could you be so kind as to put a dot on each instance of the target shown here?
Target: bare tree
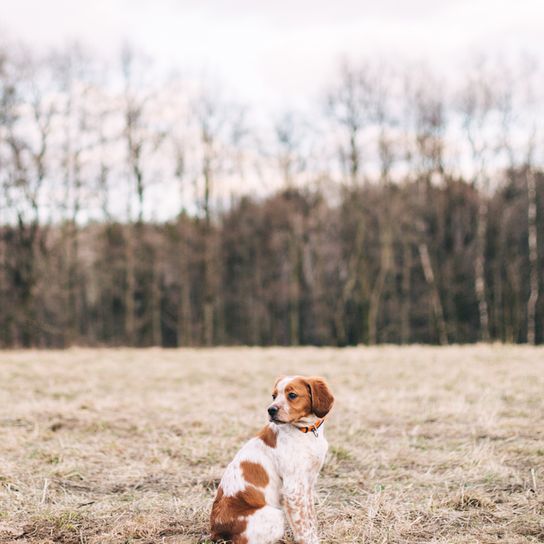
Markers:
(23, 184)
(290, 131)
(71, 69)
(219, 125)
(516, 104)
(532, 229)
(384, 119)
(477, 105)
(291, 164)
(210, 122)
(424, 127)
(141, 141)
(533, 254)
(350, 107)
(184, 313)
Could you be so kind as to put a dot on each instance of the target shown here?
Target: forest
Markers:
(143, 208)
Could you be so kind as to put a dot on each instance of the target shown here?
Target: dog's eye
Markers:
(292, 396)
(274, 397)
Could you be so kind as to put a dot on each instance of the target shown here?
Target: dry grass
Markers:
(126, 446)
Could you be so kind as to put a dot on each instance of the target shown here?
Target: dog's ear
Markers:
(322, 398)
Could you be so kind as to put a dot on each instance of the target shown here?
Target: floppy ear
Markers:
(322, 398)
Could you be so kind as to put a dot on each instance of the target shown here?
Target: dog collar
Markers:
(312, 428)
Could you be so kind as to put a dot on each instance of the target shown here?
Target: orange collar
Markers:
(313, 428)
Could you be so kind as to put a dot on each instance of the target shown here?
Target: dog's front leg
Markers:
(298, 503)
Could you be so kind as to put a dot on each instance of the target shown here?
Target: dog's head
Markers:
(297, 398)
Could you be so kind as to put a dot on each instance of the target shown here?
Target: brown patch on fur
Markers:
(302, 405)
(322, 397)
(268, 436)
(224, 525)
(254, 474)
(228, 518)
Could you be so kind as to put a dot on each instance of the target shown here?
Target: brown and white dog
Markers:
(273, 475)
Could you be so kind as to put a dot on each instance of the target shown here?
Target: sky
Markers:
(283, 51)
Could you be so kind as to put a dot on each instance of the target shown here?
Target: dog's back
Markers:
(249, 494)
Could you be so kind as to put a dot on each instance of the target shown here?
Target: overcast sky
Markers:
(281, 51)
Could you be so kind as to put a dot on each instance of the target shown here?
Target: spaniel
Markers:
(273, 476)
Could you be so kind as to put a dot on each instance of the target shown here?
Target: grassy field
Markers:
(127, 446)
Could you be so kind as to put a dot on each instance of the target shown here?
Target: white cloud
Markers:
(277, 51)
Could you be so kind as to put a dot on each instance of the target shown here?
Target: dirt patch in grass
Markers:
(441, 445)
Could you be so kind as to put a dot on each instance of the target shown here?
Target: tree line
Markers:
(145, 209)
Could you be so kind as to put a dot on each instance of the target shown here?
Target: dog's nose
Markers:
(272, 411)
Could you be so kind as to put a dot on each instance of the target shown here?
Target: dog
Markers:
(273, 476)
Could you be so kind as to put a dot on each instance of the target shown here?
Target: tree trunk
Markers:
(130, 307)
(73, 284)
(219, 324)
(184, 332)
(498, 306)
(355, 262)
(377, 289)
(256, 301)
(156, 326)
(479, 266)
(353, 157)
(406, 283)
(294, 290)
(208, 309)
(435, 295)
(208, 323)
(533, 257)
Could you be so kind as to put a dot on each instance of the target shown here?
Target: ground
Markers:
(442, 445)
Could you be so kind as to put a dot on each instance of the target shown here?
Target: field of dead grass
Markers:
(427, 444)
